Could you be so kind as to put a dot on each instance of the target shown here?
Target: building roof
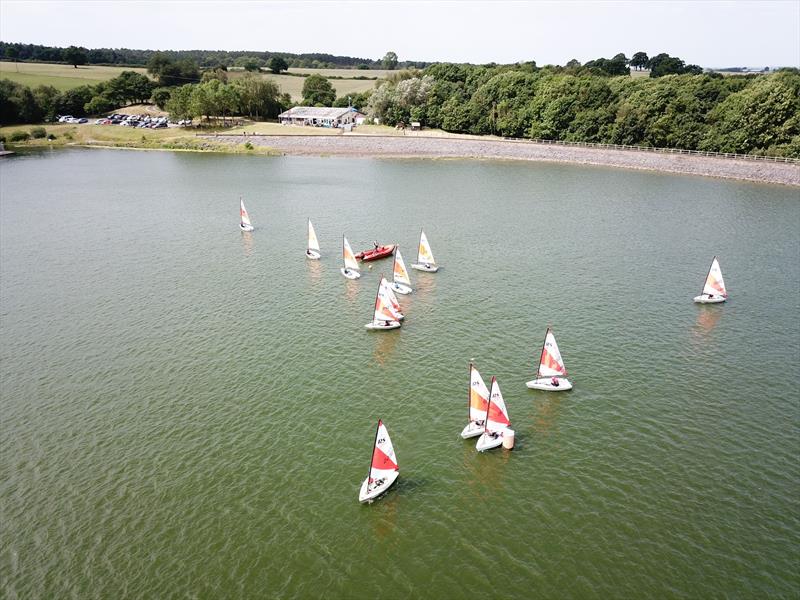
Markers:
(315, 112)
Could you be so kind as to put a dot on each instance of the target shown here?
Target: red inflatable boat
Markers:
(376, 253)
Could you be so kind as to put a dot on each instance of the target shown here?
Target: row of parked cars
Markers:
(140, 121)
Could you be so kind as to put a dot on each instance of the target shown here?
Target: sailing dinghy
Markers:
(350, 268)
(383, 469)
(401, 283)
(425, 260)
(551, 376)
(497, 421)
(312, 251)
(387, 287)
(244, 222)
(477, 402)
(385, 315)
(714, 289)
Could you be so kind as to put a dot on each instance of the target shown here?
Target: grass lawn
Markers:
(294, 85)
(278, 129)
(62, 77)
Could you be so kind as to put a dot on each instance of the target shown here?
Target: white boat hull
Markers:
(424, 267)
(349, 273)
(367, 494)
(244, 227)
(706, 299)
(487, 441)
(382, 325)
(472, 430)
(546, 384)
(312, 254)
(401, 289)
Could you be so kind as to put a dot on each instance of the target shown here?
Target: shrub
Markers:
(20, 136)
(51, 136)
(68, 135)
(248, 145)
(38, 133)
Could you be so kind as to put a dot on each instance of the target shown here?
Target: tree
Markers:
(157, 62)
(252, 64)
(318, 91)
(160, 97)
(639, 60)
(277, 64)
(258, 98)
(12, 53)
(179, 106)
(389, 61)
(75, 56)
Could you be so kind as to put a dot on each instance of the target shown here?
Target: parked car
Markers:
(82, 121)
(64, 119)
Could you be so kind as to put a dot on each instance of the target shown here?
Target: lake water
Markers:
(188, 411)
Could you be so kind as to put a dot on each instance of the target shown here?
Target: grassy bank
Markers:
(125, 137)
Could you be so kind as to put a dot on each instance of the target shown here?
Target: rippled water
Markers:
(188, 411)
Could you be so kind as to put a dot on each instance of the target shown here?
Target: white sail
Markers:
(496, 413)
(715, 285)
(384, 461)
(391, 297)
(550, 363)
(245, 218)
(478, 395)
(350, 261)
(384, 311)
(400, 272)
(313, 243)
(424, 254)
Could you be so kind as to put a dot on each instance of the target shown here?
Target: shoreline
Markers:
(360, 146)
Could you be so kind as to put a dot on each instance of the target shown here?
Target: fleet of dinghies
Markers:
(487, 415)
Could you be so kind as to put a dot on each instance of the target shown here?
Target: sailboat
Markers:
(714, 289)
(425, 260)
(244, 223)
(401, 283)
(497, 420)
(551, 375)
(383, 469)
(385, 315)
(350, 268)
(477, 402)
(312, 251)
(387, 288)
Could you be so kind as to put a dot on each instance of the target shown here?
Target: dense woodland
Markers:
(677, 106)
(204, 58)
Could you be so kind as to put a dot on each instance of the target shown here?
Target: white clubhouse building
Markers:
(320, 116)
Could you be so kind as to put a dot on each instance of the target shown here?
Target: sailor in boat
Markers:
(386, 323)
(375, 243)
(346, 270)
(554, 382)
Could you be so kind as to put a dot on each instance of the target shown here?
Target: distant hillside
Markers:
(204, 58)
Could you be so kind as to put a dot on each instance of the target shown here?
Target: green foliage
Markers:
(612, 68)
(75, 56)
(639, 61)
(19, 136)
(160, 97)
(52, 136)
(99, 104)
(664, 64)
(318, 91)
(258, 98)
(389, 60)
(38, 133)
(357, 100)
(248, 145)
(179, 106)
(277, 64)
(72, 102)
(170, 72)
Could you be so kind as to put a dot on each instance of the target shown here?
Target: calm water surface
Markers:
(188, 411)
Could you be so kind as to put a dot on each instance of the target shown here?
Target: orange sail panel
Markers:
(478, 395)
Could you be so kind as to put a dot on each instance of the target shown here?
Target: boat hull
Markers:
(244, 227)
(379, 326)
(381, 252)
(487, 441)
(472, 430)
(313, 255)
(349, 273)
(705, 299)
(424, 267)
(546, 384)
(366, 494)
(401, 289)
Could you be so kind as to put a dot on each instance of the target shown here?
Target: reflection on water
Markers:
(351, 290)
(384, 519)
(546, 413)
(425, 284)
(483, 471)
(386, 344)
(707, 319)
(314, 270)
(247, 243)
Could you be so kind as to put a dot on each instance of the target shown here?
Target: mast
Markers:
(374, 443)
(344, 263)
(469, 395)
(394, 262)
(541, 354)
(488, 405)
(308, 230)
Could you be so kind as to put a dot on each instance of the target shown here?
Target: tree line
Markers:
(582, 103)
(204, 58)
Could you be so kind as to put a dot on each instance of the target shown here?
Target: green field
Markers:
(65, 77)
(62, 77)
